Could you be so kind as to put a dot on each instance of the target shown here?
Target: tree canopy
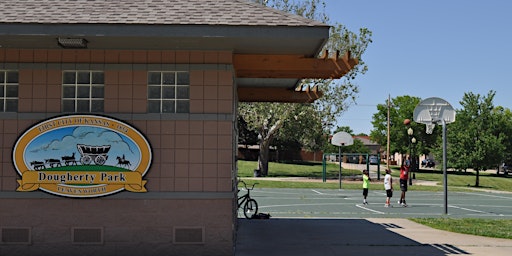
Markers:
(400, 108)
(476, 139)
(307, 122)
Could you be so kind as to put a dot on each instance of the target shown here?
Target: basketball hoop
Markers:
(429, 112)
(433, 110)
(429, 128)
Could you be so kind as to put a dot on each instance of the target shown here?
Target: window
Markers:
(168, 92)
(9, 91)
(82, 91)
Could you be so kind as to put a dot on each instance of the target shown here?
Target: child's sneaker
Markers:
(404, 204)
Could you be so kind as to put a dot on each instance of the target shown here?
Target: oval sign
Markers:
(82, 156)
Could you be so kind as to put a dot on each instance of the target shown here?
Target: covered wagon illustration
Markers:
(89, 153)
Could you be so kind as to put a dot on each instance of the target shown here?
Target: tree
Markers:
(272, 119)
(475, 139)
(401, 108)
(504, 126)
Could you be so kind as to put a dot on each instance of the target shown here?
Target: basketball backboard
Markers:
(433, 110)
(342, 139)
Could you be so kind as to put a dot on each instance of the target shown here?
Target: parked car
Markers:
(428, 163)
(373, 160)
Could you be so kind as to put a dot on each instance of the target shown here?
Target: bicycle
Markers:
(250, 205)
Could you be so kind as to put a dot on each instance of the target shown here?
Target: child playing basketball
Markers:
(388, 186)
(366, 182)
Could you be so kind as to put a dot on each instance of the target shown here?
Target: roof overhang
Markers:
(277, 72)
(269, 61)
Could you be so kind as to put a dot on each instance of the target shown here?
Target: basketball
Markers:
(407, 121)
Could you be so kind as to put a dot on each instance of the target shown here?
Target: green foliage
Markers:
(306, 123)
(246, 136)
(503, 128)
(401, 108)
(475, 140)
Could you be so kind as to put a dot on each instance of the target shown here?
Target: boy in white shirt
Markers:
(388, 186)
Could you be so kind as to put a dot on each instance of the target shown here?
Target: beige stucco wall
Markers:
(191, 180)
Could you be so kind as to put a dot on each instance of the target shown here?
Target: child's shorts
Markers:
(389, 193)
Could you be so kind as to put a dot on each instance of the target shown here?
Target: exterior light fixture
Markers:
(412, 141)
(72, 42)
(410, 132)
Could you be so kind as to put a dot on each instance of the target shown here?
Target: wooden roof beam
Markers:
(258, 94)
(292, 66)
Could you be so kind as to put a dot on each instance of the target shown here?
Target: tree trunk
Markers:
(266, 138)
(477, 183)
(263, 158)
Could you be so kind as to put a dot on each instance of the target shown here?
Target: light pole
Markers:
(414, 163)
(410, 132)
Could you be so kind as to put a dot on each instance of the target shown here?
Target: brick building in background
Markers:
(162, 79)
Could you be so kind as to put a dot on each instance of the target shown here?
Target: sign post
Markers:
(341, 139)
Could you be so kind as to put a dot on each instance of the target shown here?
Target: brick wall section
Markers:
(188, 155)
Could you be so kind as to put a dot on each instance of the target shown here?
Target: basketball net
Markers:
(430, 128)
(434, 111)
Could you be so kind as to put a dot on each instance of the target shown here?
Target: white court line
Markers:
(276, 192)
(288, 205)
(326, 194)
(471, 210)
(364, 208)
(318, 192)
(478, 194)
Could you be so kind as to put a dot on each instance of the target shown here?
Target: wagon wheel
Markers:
(86, 160)
(100, 160)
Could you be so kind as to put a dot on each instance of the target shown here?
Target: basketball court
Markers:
(335, 203)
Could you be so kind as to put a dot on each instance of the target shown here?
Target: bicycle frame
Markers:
(247, 196)
(249, 205)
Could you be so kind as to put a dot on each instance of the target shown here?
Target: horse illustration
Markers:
(123, 162)
(38, 165)
(53, 162)
(69, 159)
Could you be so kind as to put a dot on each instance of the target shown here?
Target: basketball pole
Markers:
(388, 139)
(341, 167)
(445, 175)
(431, 111)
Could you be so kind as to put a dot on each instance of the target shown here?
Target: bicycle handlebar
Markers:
(245, 184)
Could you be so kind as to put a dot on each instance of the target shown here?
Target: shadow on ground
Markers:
(326, 237)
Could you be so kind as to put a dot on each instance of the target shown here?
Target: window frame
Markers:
(6, 84)
(178, 99)
(77, 87)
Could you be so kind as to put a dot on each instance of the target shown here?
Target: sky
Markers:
(429, 48)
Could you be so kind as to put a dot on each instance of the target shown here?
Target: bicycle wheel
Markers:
(250, 208)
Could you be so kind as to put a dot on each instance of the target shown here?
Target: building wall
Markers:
(188, 209)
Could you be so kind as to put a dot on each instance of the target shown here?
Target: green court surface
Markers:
(321, 203)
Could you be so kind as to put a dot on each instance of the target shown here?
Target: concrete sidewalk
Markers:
(383, 236)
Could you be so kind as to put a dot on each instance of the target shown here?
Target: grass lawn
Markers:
(457, 181)
(479, 227)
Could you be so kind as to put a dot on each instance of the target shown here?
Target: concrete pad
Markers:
(326, 237)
